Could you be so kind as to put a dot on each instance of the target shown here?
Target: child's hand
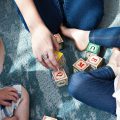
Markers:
(8, 94)
(43, 45)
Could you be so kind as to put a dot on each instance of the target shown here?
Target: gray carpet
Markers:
(21, 67)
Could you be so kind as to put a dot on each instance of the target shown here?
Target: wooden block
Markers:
(93, 48)
(59, 40)
(80, 65)
(60, 58)
(95, 61)
(48, 118)
(60, 77)
(88, 54)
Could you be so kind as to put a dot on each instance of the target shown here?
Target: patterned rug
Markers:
(21, 67)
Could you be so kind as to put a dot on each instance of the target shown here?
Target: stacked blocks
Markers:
(92, 59)
(80, 65)
(59, 40)
(92, 49)
(48, 118)
(60, 77)
(95, 61)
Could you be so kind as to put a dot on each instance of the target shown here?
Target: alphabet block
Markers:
(88, 54)
(60, 77)
(60, 58)
(93, 48)
(95, 61)
(48, 118)
(80, 65)
(59, 40)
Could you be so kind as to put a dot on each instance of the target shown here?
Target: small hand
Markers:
(8, 94)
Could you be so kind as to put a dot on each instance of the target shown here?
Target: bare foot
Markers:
(12, 118)
(114, 61)
(80, 37)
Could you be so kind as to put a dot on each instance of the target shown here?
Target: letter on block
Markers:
(60, 77)
(48, 118)
(95, 61)
(60, 58)
(59, 40)
(80, 65)
(93, 48)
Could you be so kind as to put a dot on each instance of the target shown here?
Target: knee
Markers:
(76, 84)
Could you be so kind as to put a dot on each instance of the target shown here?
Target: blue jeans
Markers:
(95, 88)
(74, 13)
(80, 14)
(107, 37)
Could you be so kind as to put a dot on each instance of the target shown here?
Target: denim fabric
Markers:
(95, 88)
(83, 14)
(76, 13)
(50, 12)
(107, 37)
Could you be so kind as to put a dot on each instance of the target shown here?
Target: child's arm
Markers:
(42, 38)
(8, 94)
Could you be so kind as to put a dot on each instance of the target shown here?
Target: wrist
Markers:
(39, 28)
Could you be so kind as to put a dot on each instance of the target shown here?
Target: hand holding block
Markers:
(60, 58)
(60, 77)
(93, 48)
(80, 65)
(59, 40)
(48, 118)
(95, 61)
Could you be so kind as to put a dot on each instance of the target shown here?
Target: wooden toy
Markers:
(59, 40)
(95, 61)
(48, 118)
(93, 48)
(88, 54)
(60, 77)
(60, 58)
(80, 65)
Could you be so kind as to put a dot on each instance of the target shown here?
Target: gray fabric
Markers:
(21, 67)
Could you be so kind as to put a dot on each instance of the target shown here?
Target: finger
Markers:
(47, 61)
(42, 61)
(4, 103)
(9, 97)
(56, 44)
(11, 89)
(14, 95)
(53, 59)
